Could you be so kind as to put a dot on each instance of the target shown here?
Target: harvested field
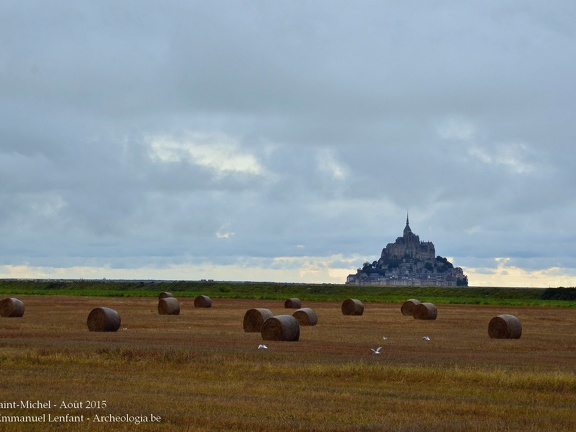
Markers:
(202, 372)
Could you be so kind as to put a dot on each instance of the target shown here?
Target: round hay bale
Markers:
(292, 303)
(425, 311)
(505, 327)
(281, 328)
(254, 318)
(103, 319)
(202, 301)
(352, 307)
(11, 308)
(168, 306)
(306, 317)
(408, 307)
(165, 294)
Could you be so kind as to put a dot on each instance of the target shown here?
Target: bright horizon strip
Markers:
(288, 270)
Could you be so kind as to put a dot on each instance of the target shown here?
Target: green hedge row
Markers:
(280, 291)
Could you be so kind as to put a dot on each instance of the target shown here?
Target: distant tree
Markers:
(444, 261)
(559, 293)
(368, 268)
(442, 264)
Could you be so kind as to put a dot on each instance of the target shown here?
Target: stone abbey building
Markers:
(409, 262)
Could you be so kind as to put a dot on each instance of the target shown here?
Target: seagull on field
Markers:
(262, 346)
(377, 350)
(426, 338)
(384, 337)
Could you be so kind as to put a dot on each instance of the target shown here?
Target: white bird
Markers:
(384, 337)
(377, 350)
(426, 338)
(262, 346)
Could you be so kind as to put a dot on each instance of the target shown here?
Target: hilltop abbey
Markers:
(409, 262)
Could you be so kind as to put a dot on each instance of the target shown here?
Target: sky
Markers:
(286, 141)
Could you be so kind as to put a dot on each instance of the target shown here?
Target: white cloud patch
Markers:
(456, 128)
(50, 207)
(513, 156)
(220, 153)
(224, 234)
(474, 229)
(329, 164)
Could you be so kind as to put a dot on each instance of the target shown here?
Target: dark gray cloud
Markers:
(259, 136)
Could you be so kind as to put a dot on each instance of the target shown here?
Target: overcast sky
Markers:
(285, 141)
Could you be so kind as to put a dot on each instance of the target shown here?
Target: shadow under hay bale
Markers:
(254, 318)
(292, 303)
(202, 301)
(352, 307)
(306, 317)
(103, 319)
(505, 327)
(165, 294)
(281, 328)
(11, 308)
(408, 307)
(168, 306)
(425, 311)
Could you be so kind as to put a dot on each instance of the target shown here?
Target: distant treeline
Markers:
(559, 294)
(282, 291)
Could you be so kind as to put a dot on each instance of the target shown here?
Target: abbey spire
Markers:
(407, 229)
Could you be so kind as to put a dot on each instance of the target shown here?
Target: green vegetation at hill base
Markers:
(565, 297)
